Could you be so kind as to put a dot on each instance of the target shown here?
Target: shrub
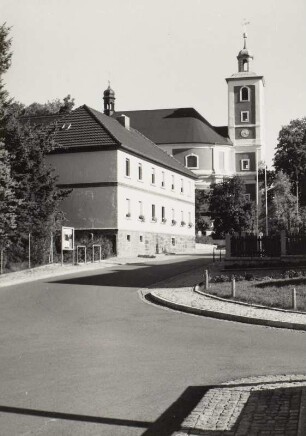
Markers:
(249, 276)
(292, 273)
(220, 279)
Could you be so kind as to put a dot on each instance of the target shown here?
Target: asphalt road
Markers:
(84, 355)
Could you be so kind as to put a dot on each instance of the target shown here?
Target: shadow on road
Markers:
(136, 275)
(265, 409)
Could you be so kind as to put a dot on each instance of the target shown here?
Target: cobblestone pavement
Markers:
(271, 405)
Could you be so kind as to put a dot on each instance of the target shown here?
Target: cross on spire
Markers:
(245, 35)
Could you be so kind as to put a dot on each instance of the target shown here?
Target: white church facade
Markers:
(212, 153)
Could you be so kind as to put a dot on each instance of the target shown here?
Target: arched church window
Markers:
(192, 161)
(244, 93)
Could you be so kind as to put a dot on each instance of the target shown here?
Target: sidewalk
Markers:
(56, 269)
(178, 293)
(270, 405)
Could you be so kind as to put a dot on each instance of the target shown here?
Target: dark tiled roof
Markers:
(175, 126)
(222, 130)
(79, 129)
(85, 127)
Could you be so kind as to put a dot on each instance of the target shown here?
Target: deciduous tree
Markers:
(5, 61)
(283, 210)
(8, 201)
(290, 155)
(39, 213)
(230, 208)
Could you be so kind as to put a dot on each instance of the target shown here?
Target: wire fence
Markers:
(29, 251)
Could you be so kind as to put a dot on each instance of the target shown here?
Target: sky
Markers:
(158, 54)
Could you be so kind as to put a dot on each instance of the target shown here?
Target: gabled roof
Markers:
(85, 127)
(175, 126)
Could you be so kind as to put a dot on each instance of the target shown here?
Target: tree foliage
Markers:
(30, 199)
(50, 108)
(8, 201)
(202, 215)
(5, 61)
(283, 212)
(290, 155)
(231, 210)
(35, 183)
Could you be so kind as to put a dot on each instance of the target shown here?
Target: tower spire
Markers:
(244, 56)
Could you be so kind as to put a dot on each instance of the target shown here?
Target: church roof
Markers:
(245, 75)
(175, 126)
(87, 128)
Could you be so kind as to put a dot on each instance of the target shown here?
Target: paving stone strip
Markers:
(269, 405)
(186, 297)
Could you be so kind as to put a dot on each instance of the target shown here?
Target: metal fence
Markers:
(254, 246)
(296, 244)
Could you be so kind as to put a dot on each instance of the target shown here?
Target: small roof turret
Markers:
(109, 92)
(109, 100)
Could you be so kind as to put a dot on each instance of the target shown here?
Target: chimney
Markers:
(124, 121)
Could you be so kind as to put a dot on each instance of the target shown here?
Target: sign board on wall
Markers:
(67, 238)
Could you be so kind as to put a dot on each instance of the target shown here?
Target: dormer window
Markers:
(192, 161)
(245, 94)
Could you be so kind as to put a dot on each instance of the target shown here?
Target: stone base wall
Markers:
(133, 243)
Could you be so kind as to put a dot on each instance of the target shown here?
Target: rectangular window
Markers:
(173, 221)
(141, 216)
(182, 186)
(163, 213)
(128, 238)
(221, 160)
(172, 183)
(163, 179)
(173, 241)
(128, 208)
(127, 167)
(245, 116)
(245, 164)
(140, 238)
(139, 171)
(153, 176)
(153, 213)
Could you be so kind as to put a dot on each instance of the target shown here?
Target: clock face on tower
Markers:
(244, 133)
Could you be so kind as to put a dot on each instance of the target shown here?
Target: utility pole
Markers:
(297, 196)
(266, 201)
(257, 193)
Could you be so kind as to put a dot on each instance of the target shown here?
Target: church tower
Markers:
(245, 119)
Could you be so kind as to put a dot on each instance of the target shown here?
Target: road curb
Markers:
(225, 316)
(197, 289)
